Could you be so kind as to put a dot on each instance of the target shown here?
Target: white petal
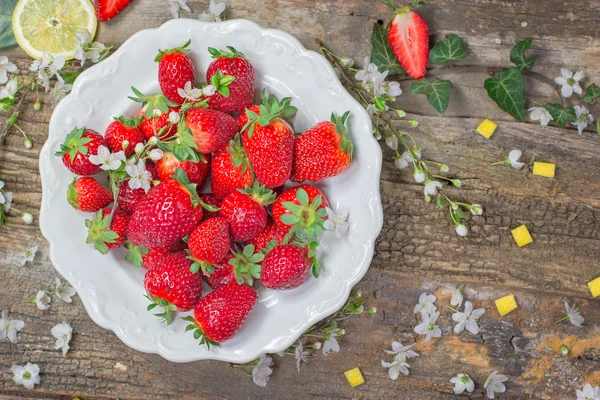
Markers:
(579, 75)
(566, 91)
(517, 164)
(566, 73)
(459, 327)
(577, 88)
(560, 81)
(459, 387)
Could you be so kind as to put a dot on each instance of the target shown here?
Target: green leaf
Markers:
(508, 91)
(561, 115)
(382, 54)
(437, 92)
(592, 92)
(7, 38)
(450, 49)
(517, 55)
(69, 77)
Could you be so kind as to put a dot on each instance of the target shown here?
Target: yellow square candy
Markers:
(506, 304)
(544, 169)
(522, 236)
(354, 377)
(595, 287)
(487, 128)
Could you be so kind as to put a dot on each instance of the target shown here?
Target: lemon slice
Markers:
(52, 25)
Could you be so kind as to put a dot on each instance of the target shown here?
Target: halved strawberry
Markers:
(107, 9)
(409, 38)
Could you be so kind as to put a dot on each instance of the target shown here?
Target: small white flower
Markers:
(5, 67)
(380, 86)
(153, 140)
(476, 209)
(513, 159)
(62, 332)
(301, 355)
(330, 345)
(209, 90)
(393, 89)
(401, 352)
(366, 75)
(336, 221)
(189, 92)
(9, 90)
(41, 63)
(588, 393)
(214, 12)
(262, 370)
(540, 114)
(403, 161)
(28, 376)
(139, 176)
(494, 384)
(563, 350)
(139, 148)
(392, 142)
(176, 5)
(584, 118)
(461, 230)
(55, 66)
(83, 39)
(456, 298)
(59, 91)
(346, 62)
(64, 291)
(41, 300)
(462, 382)
(6, 200)
(569, 82)
(174, 118)
(27, 218)
(28, 255)
(10, 327)
(395, 367)
(573, 315)
(431, 188)
(94, 52)
(468, 319)
(425, 304)
(419, 176)
(156, 154)
(428, 327)
(107, 160)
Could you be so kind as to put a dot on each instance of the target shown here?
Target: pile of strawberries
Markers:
(248, 229)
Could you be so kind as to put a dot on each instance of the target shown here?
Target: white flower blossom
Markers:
(62, 332)
(403, 161)
(41, 300)
(28, 255)
(214, 12)
(588, 393)
(456, 298)
(5, 67)
(108, 161)
(156, 154)
(330, 345)
(573, 315)
(540, 114)
(462, 382)
(59, 91)
(9, 90)
(395, 367)
(431, 188)
(476, 209)
(468, 319)
(336, 221)
(346, 62)
(401, 352)
(494, 384)
(428, 327)
(209, 90)
(584, 118)
(87, 50)
(461, 230)
(369, 72)
(393, 89)
(10, 327)
(419, 176)
(513, 159)
(174, 118)
(189, 92)
(64, 291)
(27, 218)
(425, 304)
(6, 200)
(301, 355)
(569, 82)
(392, 142)
(262, 370)
(41, 63)
(139, 176)
(176, 5)
(28, 376)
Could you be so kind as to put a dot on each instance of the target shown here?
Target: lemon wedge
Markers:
(52, 25)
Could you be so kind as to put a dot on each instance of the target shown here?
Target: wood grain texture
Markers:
(417, 250)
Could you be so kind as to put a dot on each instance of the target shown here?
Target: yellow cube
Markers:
(354, 377)
(506, 304)
(595, 287)
(487, 128)
(544, 169)
(521, 236)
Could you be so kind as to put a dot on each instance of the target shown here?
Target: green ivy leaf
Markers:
(517, 55)
(7, 38)
(508, 91)
(592, 92)
(382, 54)
(437, 92)
(561, 115)
(69, 77)
(450, 49)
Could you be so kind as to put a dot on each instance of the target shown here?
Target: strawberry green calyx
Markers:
(157, 104)
(199, 333)
(181, 177)
(182, 145)
(165, 316)
(306, 219)
(221, 82)
(231, 52)
(207, 269)
(270, 109)
(340, 126)
(180, 49)
(404, 9)
(259, 193)
(246, 264)
(135, 254)
(72, 194)
(239, 158)
(129, 122)
(99, 233)
(312, 255)
(74, 143)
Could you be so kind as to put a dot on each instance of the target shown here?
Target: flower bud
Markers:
(156, 154)
(174, 117)
(563, 350)
(400, 163)
(209, 90)
(139, 148)
(28, 143)
(27, 217)
(341, 332)
(372, 310)
(401, 113)
(414, 123)
(456, 182)
(461, 230)
(444, 168)
(316, 345)
(346, 62)
(419, 176)
(37, 106)
(124, 144)
(153, 140)
(392, 142)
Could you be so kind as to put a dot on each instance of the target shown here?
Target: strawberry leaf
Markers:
(130, 122)
(168, 308)
(450, 49)
(98, 232)
(135, 254)
(436, 91)
(72, 194)
(517, 55)
(508, 91)
(180, 49)
(74, 143)
(592, 92)
(561, 115)
(381, 54)
(181, 177)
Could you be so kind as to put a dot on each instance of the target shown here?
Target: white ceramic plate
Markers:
(111, 289)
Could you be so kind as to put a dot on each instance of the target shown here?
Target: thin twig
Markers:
(17, 108)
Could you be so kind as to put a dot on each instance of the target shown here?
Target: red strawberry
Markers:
(151, 126)
(285, 267)
(220, 314)
(124, 129)
(303, 208)
(171, 285)
(245, 211)
(197, 172)
(322, 151)
(233, 77)
(175, 69)
(209, 244)
(128, 197)
(230, 169)
(409, 38)
(269, 140)
(211, 200)
(211, 129)
(169, 212)
(147, 258)
(107, 9)
(272, 232)
(104, 234)
(87, 194)
(77, 148)
(222, 274)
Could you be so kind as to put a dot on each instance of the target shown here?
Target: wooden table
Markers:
(417, 250)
